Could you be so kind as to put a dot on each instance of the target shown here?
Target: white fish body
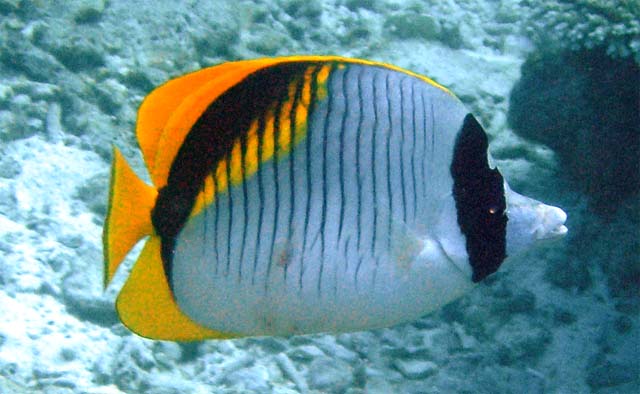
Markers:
(352, 195)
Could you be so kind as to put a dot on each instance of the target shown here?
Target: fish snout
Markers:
(531, 222)
(551, 224)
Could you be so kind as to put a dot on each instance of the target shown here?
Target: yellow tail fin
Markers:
(128, 216)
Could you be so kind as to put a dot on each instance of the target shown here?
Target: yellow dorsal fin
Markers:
(129, 214)
(146, 306)
(191, 107)
(157, 107)
(167, 115)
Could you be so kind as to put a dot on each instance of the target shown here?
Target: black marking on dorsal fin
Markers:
(210, 140)
(479, 194)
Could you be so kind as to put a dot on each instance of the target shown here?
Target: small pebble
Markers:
(305, 353)
(289, 370)
(90, 11)
(416, 369)
(609, 374)
(330, 374)
(53, 123)
(9, 167)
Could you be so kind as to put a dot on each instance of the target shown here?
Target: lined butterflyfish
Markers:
(307, 194)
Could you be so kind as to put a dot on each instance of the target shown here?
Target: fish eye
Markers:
(493, 210)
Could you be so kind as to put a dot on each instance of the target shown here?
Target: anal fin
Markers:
(147, 307)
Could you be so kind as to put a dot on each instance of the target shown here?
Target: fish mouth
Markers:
(552, 223)
(558, 232)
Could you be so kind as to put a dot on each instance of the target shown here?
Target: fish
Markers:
(307, 194)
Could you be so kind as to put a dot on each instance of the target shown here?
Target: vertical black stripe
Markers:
(373, 165)
(216, 227)
(245, 205)
(307, 161)
(388, 165)
(429, 131)
(314, 92)
(359, 173)
(360, 259)
(260, 136)
(346, 253)
(433, 130)
(402, 167)
(323, 217)
(342, 146)
(230, 209)
(375, 272)
(205, 228)
(207, 234)
(413, 143)
(292, 174)
(276, 202)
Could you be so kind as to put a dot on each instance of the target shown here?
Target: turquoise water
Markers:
(555, 86)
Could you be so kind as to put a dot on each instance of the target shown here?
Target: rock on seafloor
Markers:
(72, 74)
(416, 369)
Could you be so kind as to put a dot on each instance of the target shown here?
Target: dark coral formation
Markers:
(577, 25)
(585, 106)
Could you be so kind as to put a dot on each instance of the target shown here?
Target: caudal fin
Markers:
(128, 216)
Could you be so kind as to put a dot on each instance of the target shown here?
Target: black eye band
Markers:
(480, 202)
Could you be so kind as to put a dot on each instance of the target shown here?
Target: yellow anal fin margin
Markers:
(128, 216)
(146, 306)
